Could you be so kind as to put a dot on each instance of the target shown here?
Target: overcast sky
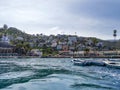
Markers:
(89, 18)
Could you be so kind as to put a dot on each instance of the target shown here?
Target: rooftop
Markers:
(5, 45)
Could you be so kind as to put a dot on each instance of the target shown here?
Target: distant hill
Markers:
(112, 43)
(13, 31)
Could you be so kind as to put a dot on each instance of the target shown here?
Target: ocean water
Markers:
(55, 74)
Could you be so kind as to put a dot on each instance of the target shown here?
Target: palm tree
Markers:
(95, 41)
(86, 51)
(114, 34)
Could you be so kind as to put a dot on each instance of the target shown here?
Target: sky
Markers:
(88, 18)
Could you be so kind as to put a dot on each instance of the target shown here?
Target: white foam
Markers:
(11, 75)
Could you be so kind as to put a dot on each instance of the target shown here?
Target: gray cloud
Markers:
(97, 8)
(95, 18)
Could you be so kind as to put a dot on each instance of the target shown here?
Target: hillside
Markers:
(14, 32)
(38, 40)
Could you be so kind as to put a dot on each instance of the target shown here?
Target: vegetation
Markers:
(26, 42)
(86, 51)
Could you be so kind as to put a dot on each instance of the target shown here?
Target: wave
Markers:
(85, 85)
(11, 75)
(8, 78)
(23, 71)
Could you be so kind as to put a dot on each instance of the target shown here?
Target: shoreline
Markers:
(59, 57)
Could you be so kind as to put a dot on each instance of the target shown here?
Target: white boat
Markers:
(89, 62)
(101, 62)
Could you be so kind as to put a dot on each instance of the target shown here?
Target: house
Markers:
(54, 43)
(59, 47)
(70, 42)
(5, 39)
(99, 44)
(65, 47)
(31, 44)
(89, 42)
(19, 38)
(71, 48)
(11, 37)
(41, 45)
(6, 49)
(72, 39)
(51, 38)
(80, 47)
(62, 43)
(36, 52)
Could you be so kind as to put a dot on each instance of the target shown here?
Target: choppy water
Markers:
(55, 74)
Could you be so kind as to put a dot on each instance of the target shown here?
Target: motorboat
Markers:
(88, 62)
(93, 62)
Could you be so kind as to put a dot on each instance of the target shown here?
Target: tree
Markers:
(114, 34)
(86, 51)
(5, 27)
(22, 48)
(95, 41)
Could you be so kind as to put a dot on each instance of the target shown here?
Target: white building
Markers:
(36, 52)
(54, 44)
(19, 38)
(5, 39)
